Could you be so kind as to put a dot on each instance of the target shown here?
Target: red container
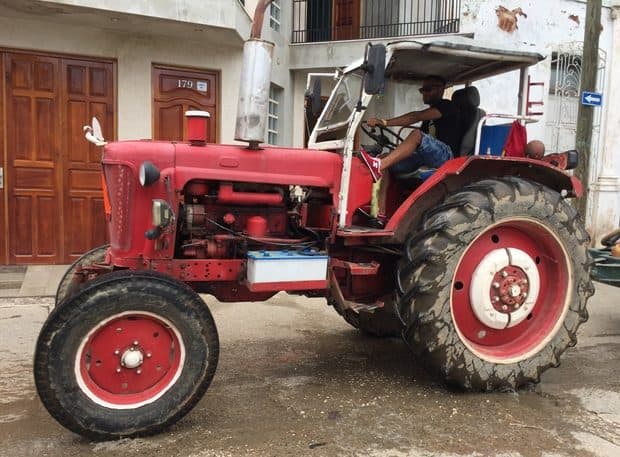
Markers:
(256, 226)
(197, 126)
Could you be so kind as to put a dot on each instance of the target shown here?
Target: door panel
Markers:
(33, 143)
(346, 19)
(89, 92)
(54, 202)
(176, 91)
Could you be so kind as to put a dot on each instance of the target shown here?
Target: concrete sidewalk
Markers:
(31, 281)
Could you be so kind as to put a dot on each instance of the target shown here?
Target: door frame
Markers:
(218, 92)
(4, 194)
(4, 203)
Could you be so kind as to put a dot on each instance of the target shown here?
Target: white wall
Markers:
(134, 54)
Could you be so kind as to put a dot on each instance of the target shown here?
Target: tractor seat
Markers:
(468, 101)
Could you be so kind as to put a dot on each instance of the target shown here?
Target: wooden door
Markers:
(52, 176)
(88, 91)
(176, 91)
(33, 147)
(346, 19)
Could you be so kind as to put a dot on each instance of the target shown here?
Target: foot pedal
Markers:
(366, 307)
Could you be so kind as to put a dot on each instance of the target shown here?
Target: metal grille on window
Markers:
(275, 94)
(274, 18)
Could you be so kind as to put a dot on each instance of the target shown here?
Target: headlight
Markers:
(162, 213)
(148, 173)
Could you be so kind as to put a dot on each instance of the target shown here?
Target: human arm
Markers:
(405, 120)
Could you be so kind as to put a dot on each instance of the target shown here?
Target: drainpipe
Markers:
(253, 104)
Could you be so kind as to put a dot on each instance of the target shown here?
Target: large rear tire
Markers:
(128, 355)
(494, 285)
(70, 283)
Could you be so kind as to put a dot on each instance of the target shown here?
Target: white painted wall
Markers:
(134, 55)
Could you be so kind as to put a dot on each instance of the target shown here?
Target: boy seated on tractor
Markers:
(430, 146)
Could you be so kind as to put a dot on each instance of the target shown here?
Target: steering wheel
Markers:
(381, 137)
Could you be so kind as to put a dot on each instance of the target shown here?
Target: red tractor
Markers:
(482, 267)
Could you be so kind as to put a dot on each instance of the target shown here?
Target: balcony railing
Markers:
(333, 20)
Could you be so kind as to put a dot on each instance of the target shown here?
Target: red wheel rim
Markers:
(129, 360)
(546, 262)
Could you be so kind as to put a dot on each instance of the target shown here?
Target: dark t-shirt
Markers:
(447, 128)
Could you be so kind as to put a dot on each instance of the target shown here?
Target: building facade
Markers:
(138, 66)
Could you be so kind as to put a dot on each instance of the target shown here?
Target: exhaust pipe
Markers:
(253, 105)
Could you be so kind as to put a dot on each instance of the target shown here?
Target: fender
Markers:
(461, 171)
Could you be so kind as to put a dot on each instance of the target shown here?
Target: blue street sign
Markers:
(591, 98)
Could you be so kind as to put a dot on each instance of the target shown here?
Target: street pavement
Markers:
(294, 380)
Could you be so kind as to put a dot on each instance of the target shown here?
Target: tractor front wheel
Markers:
(494, 285)
(128, 355)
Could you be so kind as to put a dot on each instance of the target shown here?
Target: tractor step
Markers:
(366, 307)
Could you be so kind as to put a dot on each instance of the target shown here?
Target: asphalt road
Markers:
(294, 380)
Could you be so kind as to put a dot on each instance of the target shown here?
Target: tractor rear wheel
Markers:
(69, 283)
(128, 355)
(494, 284)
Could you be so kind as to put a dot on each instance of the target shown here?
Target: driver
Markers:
(430, 146)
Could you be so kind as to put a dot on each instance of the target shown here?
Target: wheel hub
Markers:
(510, 289)
(132, 358)
(504, 288)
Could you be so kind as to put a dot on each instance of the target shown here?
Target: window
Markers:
(565, 74)
(274, 17)
(273, 121)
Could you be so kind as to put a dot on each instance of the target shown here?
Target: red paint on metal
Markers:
(197, 188)
(553, 272)
(199, 270)
(197, 130)
(229, 219)
(356, 269)
(100, 359)
(287, 286)
(472, 168)
(452, 167)
(227, 195)
(256, 226)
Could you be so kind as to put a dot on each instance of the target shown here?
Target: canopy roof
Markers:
(457, 59)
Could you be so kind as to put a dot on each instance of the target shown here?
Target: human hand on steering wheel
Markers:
(369, 128)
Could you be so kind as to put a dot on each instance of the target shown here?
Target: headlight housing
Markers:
(148, 174)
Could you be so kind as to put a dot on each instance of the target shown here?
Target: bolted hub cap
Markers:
(132, 358)
(504, 288)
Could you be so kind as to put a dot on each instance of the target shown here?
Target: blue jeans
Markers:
(430, 153)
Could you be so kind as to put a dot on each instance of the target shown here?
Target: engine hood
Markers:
(233, 163)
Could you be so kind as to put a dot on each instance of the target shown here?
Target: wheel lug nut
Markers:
(117, 352)
(118, 370)
(135, 343)
(504, 274)
(496, 285)
(148, 354)
(496, 299)
(138, 371)
(504, 307)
